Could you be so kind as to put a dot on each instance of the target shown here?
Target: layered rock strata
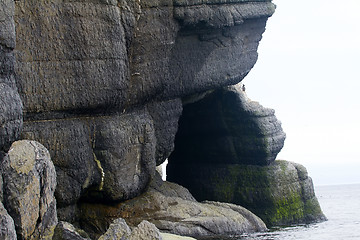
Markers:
(10, 106)
(11, 115)
(225, 150)
(101, 82)
(114, 54)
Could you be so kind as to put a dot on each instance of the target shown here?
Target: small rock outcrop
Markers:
(173, 210)
(29, 182)
(118, 229)
(66, 231)
(144, 231)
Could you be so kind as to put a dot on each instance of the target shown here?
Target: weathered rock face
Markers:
(101, 82)
(66, 231)
(7, 226)
(10, 116)
(217, 43)
(29, 182)
(95, 54)
(225, 150)
(280, 194)
(105, 153)
(145, 230)
(165, 116)
(225, 127)
(173, 209)
(106, 158)
(118, 229)
(10, 102)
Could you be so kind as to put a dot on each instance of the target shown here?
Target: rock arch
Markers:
(225, 150)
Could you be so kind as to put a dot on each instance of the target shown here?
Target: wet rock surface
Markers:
(280, 194)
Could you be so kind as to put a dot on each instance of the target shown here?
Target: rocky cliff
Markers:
(225, 150)
(101, 84)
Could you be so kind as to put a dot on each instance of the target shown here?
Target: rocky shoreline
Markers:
(95, 94)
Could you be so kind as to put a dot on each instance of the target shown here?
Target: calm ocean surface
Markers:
(340, 204)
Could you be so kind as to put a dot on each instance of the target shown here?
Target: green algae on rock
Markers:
(225, 150)
(280, 194)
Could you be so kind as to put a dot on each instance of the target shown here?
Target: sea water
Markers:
(340, 204)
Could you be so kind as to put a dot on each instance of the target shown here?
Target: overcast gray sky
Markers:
(309, 72)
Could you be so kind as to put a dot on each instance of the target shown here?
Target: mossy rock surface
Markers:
(280, 194)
